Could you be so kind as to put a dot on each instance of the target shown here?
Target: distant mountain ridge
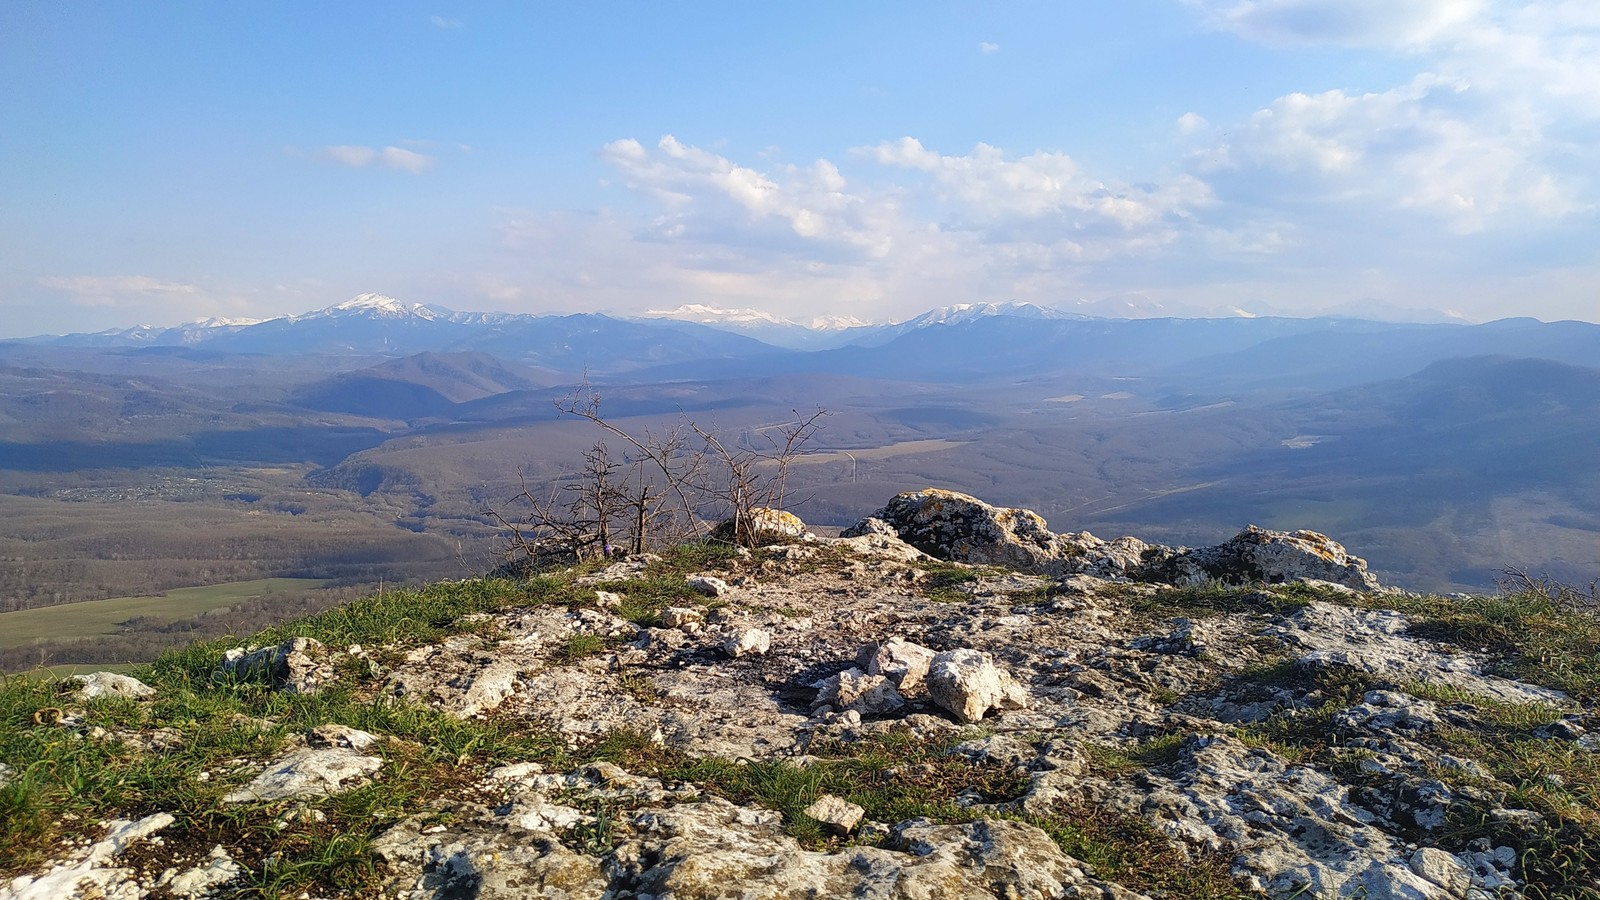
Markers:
(817, 332)
(378, 324)
(961, 343)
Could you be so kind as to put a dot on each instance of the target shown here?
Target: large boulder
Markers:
(763, 526)
(299, 665)
(1274, 557)
(962, 528)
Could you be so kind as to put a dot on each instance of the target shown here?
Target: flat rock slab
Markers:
(94, 873)
(309, 773)
(1377, 642)
(97, 685)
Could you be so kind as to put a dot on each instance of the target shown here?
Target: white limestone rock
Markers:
(747, 642)
(836, 814)
(856, 691)
(955, 526)
(202, 880)
(1256, 554)
(968, 684)
(765, 525)
(1443, 869)
(331, 735)
(876, 538)
(1292, 828)
(486, 865)
(308, 773)
(902, 662)
(93, 872)
(709, 585)
(300, 665)
(679, 616)
(1378, 642)
(715, 849)
(96, 685)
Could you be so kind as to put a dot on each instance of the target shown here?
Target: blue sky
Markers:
(162, 162)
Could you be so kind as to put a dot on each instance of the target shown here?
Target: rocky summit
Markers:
(949, 701)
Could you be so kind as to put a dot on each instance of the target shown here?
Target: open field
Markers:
(95, 618)
(889, 451)
(67, 670)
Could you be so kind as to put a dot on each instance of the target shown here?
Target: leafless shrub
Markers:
(665, 488)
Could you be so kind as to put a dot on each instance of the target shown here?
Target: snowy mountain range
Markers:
(961, 342)
(817, 333)
(379, 323)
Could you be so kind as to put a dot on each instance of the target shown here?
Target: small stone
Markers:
(1525, 820)
(836, 814)
(1443, 869)
(747, 641)
(339, 736)
(709, 585)
(679, 616)
(1561, 730)
(856, 691)
(899, 660)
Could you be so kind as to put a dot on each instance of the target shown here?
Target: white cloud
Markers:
(112, 286)
(442, 22)
(986, 47)
(359, 157)
(1189, 123)
(1347, 22)
(355, 157)
(704, 194)
(405, 160)
(133, 298)
(1427, 146)
(1490, 134)
(907, 227)
(1542, 55)
(986, 186)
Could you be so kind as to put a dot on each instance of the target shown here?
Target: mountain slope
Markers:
(419, 386)
(1353, 351)
(1463, 468)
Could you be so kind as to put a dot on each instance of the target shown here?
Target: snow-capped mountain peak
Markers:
(836, 323)
(375, 306)
(222, 322)
(713, 315)
(966, 312)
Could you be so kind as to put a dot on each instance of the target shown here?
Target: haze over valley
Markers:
(370, 440)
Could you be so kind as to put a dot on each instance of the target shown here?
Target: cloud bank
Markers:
(1335, 194)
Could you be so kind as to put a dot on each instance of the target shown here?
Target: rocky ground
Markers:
(951, 701)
